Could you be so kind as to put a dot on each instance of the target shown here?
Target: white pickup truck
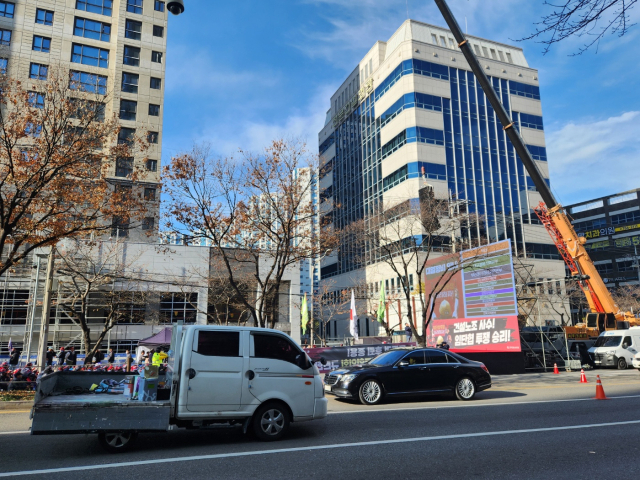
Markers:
(255, 377)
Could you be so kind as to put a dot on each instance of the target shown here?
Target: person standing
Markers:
(50, 355)
(14, 358)
(72, 357)
(112, 357)
(60, 357)
(408, 333)
(127, 362)
(99, 356)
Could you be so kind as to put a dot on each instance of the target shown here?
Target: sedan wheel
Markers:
(465, 389)
(370, 392)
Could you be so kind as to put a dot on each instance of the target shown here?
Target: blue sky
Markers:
(242, 73)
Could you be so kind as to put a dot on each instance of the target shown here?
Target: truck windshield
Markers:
(388, 358)
(608, 341)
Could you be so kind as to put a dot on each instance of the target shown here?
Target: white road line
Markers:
(315, 447)
(473, 404)
(13, 433)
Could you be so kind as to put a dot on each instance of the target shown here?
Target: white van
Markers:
(616, 348)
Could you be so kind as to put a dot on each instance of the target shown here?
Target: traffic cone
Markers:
(555, 369)
(600, 391)
(583, 377)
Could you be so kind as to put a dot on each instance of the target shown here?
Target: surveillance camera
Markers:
(175, 6)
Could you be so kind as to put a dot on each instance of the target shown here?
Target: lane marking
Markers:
(314, 447)
(475, 405)
(16, 432)
(7, 412)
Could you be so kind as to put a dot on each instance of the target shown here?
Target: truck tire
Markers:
(117, 442)
(622, 364)
(271, 421)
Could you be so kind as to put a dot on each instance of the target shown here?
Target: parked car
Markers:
(616, 348)
(406, 371)
(636, 361)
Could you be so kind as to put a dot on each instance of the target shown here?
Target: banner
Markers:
(476, 308)
(338, 357)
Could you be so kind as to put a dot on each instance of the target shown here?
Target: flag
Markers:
(10, 346)
(304, 315)
(353, 318)
(381, 306)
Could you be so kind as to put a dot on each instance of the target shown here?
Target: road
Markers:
(530, 426)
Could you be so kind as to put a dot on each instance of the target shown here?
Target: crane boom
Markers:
(550, 212)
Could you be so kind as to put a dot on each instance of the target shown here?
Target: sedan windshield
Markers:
(388, 358)
(608, 341)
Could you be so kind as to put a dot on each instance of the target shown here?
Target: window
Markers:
(7, 9)
(133, 29)
(415, 358)
(150, 194)
(178, 306)
(103, 7)
(529, 121)
(38, 71)
(152, 137)
(88, 82)
(119, 227)
(477, 49)
(5, 37)
(158, 6)
(134, 6)
(509, 59)
(92, 29)
(626, 197)
(15, 304)
(626, 341)
(152, 165)
(524, 90)
(501, 55)
(36, 99)
(485, 52)
(622, 218)
(130, 82)
(124, 166)
(41, 44)
(44, 17)
(493, 54)
(88, 110)
(3, 65)
(156, 57)
(218, 344)
(155, 83)
(93, 56)
(436, 356)
(154, 110)
(434, 39)
(158, 31)
(128, 109)
(147, 223)
(277, 347)
(125, 135)
(131, 56)
(587, 206)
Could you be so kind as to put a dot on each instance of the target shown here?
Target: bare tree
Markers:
(628, 297)
(592, 19)
(257, 211)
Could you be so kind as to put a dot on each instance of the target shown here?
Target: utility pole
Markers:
(46, 307)
(34, 304)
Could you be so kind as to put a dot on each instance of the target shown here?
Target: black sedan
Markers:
(409, 372)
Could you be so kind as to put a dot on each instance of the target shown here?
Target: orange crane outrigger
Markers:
(605, 313)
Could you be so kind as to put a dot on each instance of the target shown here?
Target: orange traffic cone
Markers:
(583, 377)
(600, 391)
(555, 369)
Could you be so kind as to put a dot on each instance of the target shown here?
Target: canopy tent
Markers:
(158, 340)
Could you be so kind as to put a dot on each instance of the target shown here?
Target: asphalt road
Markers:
(526, 427)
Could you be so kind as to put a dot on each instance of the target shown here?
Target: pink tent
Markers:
(160, 339)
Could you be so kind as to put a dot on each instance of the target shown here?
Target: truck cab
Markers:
(616, 348)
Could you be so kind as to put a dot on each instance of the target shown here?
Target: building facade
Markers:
(411, 114)
(115, 48)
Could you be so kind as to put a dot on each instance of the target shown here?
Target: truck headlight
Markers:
(610, 354)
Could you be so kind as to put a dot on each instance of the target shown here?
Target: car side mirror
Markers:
(323, 361)
(403, 363)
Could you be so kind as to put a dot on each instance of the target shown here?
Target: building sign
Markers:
(617, 242)
(476, 309)
(351, 104)
(608, 231)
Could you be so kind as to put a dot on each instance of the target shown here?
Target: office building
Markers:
(411, 115)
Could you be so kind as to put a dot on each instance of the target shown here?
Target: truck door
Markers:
(281, 370)
(215, 371)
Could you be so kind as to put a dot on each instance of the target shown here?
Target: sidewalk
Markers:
(536, 380)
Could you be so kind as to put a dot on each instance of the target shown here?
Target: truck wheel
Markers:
(117, 442)
(270, 422)
(622, 364)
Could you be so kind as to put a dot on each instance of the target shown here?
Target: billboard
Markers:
(475, 307)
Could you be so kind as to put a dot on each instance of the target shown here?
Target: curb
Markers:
(16, 405)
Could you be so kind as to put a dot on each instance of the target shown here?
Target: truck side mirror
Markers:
(624, 345)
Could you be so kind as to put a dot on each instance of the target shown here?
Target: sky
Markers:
(242, 73)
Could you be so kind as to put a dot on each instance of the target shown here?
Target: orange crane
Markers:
(605, 313)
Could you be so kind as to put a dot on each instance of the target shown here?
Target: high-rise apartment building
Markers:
(111, 47)
(411, 113)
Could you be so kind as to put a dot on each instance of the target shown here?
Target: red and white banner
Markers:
(492, 334)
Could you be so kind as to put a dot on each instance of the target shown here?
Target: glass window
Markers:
(218, 344)
(626, 341)
(44, 17)
(524, 90)
(131, 56)
(93, 56)
(415, 358)
(152, 137)
(38, 71)
(148, 223)
(276, 347)
(88, 82)
(133, 29)
(451, 359)
(128, 109)
(103, 7)
(87, 110)
(436, 356)
(119, 227)
(158, 6)
(152, 165)
(126, 135)
(5, 37)
(41, 44)
(7, 9)
(155, 83)
(124, 166)
(130, 82)
(150, 194)
(134, 6)
(92, 29)
(509, 59)
(158, 31)
(154, 110)
(36, 99)
(156, 57)
(3, 65)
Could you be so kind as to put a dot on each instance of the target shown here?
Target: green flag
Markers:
(381, 306)
(304, 315)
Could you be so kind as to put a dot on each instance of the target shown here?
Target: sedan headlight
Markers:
(348, 378)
